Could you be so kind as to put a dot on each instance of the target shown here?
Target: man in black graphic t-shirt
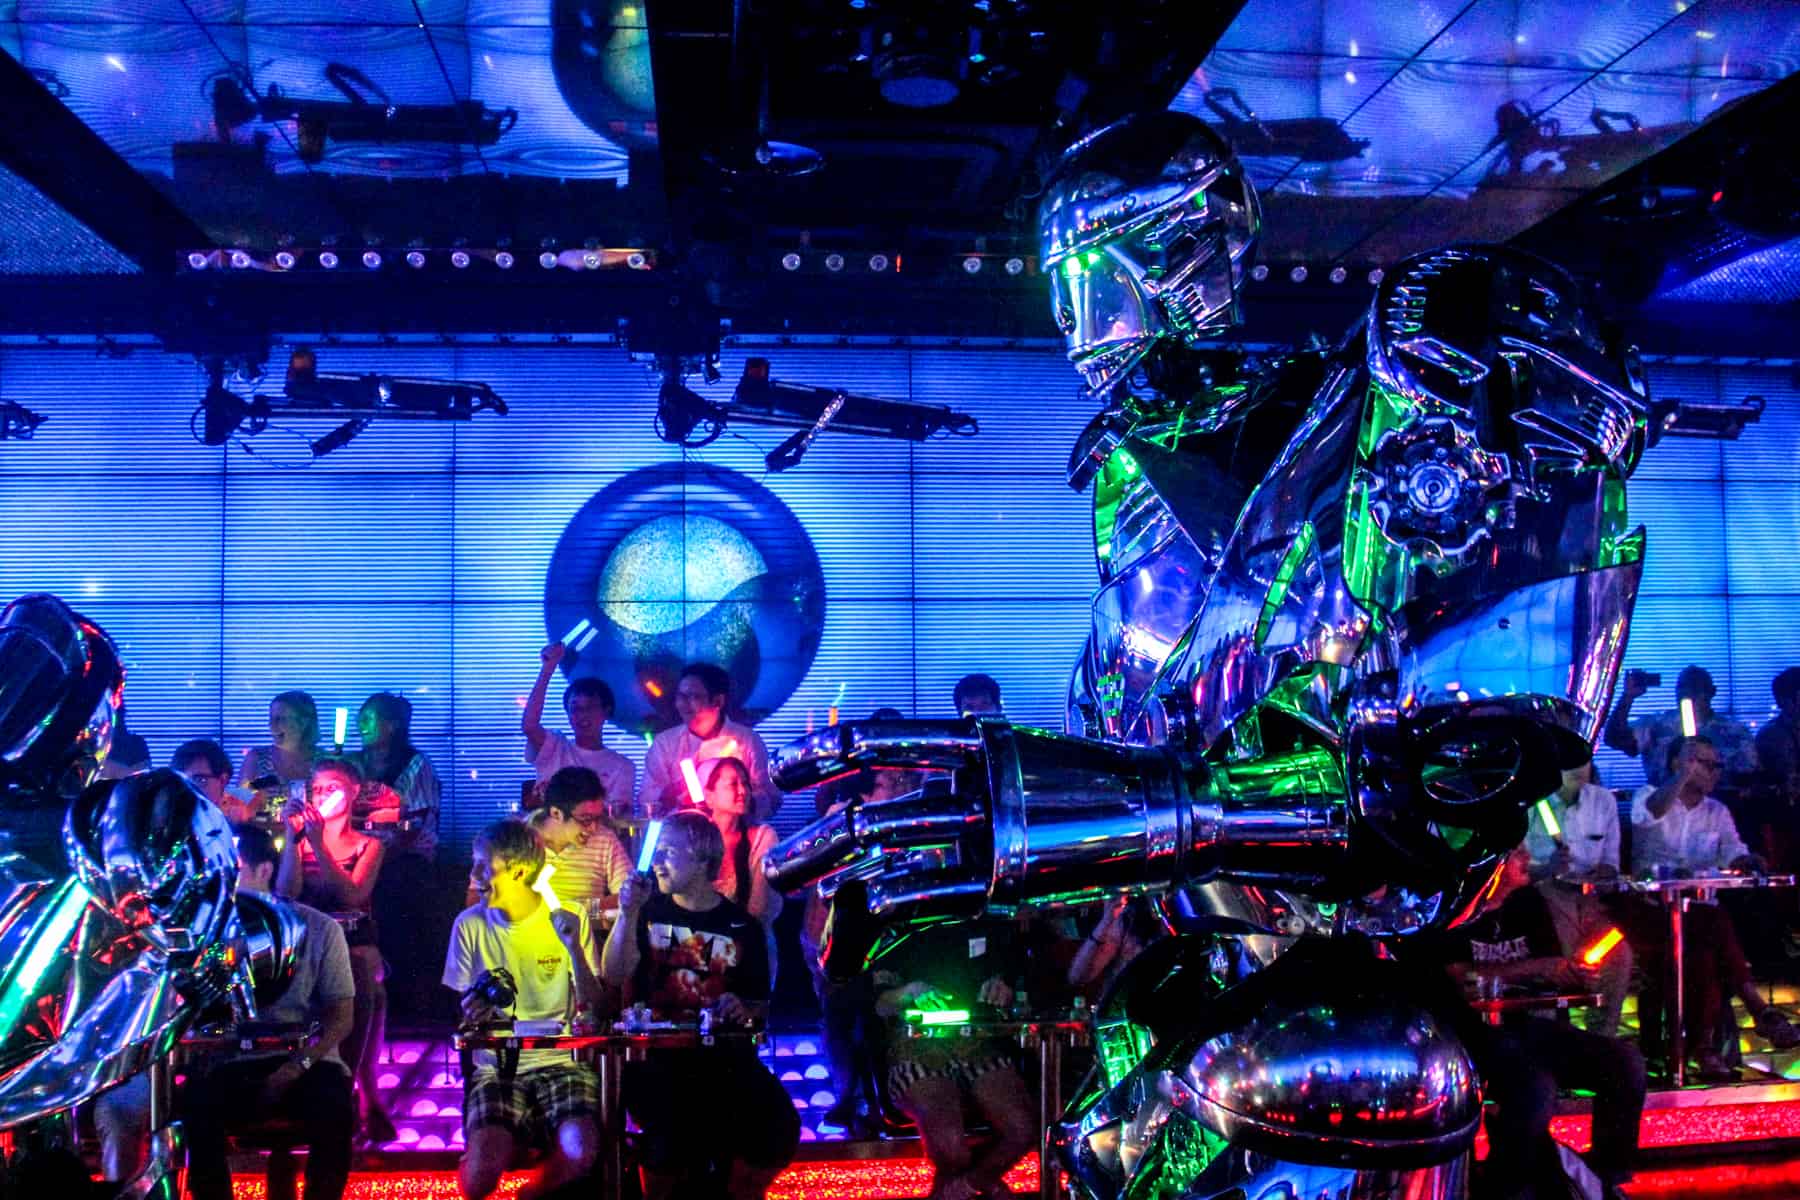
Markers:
(1525, 1061)
(684, 949)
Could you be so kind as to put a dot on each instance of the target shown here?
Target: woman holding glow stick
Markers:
(287, 759)
(329, 865)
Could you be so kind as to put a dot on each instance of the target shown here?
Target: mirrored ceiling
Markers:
(1376, 130)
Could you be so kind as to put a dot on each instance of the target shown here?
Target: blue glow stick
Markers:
(652, 832)
(581, 627)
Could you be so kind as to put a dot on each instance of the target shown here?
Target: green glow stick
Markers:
(1547, 815)
(938, 1016)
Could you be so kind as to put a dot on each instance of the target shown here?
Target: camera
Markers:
(1648, 679)
(496, 988)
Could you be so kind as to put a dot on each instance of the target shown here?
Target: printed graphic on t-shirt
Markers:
(1512, 950)
(688, 967)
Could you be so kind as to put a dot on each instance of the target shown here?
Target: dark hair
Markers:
(1682, 743)
(590, 685)
(345, 766)
(308, 709)
(395, 710)
(513, 843)
(703, 838)
(1695, 677)
(129, 750)
(206, 748)
(975, 685)
(570, 786)
(256, 845)
(887, 714)
(1786, 684)
(714, 679)
(740, 855)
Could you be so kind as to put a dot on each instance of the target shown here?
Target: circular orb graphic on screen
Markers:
(682, 563)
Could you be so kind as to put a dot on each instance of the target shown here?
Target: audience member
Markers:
(1648, 738)
(590, 862)
(310, 1087)
(329, 865)
(205, 762)
(960, 965)
(1126, 927)
(128, 754)
(547, 1100)
(977, 696)
(399, 804)
(588, 703)
(683, 948)
(288, 758)
(400, 793)
(1681, 826)
(1585, 846)
(1778, 747)
(705, 733)
(1524, 1061)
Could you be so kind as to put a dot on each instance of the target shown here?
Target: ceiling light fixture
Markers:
(371, 259)
(197, 260)
(790, 261)
(328, 260)
(878, 263)
(415, 259)
(504, 260)
(285, 259)
(459, 259)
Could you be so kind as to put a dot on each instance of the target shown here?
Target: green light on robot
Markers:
(46, 942)
(1072, 266)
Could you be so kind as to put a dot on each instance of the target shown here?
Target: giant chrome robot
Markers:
(118, 919)
(1356, 608)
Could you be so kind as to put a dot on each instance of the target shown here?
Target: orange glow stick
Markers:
(692, 777)
(1595, 954)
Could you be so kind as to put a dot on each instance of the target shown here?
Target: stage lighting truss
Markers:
(353, 400)
(444, 260)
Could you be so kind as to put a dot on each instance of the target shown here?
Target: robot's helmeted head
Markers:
(1145, 230)
(60, 690)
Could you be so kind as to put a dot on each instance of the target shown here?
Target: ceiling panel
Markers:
(1376, 131)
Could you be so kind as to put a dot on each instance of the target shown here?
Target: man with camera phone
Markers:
(513, 959)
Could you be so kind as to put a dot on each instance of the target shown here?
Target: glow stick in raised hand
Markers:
(652, 833)
(692, 777)
(340, 725)
(1547, 815)
(581, 627)
(1689, 726)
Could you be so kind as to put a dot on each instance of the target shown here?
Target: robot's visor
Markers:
(1079, 225)
(1103, 315)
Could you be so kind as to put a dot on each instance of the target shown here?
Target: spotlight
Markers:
(547, 260)
(285, 260)
(415, 259)
(591, 260)
(790, 261)
(328, 260)
(371, 259)
(1375, 276)
(239, 259)
(1015, 266)
(503, 260)
(1259, 272)
(1338, 275)
(197, 261)
(971, 265)
(459, 259)
(1298, 274)
(637, 261)
(878, 263)
(834, 262)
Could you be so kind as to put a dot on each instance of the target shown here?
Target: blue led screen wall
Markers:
(416, 559)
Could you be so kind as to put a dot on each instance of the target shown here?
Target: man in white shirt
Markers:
(554, 966)
(1682, 825)
(1586, 845)
(701, 695)
(589, 704)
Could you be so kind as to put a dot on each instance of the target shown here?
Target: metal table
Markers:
(609, 1052)
(1050, 1036)
(266, 1037)
(1676, 894)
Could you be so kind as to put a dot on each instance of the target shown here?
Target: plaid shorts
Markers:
(961, 1066)
(532, 1103)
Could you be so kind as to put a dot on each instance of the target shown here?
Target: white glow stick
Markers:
(581, 627)
(587, 637)
(1689, 727)
(340, 725)
(692, 776)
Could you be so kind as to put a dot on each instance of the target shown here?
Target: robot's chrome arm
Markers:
(1043, 818)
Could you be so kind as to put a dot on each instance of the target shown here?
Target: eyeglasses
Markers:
(591, 821)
